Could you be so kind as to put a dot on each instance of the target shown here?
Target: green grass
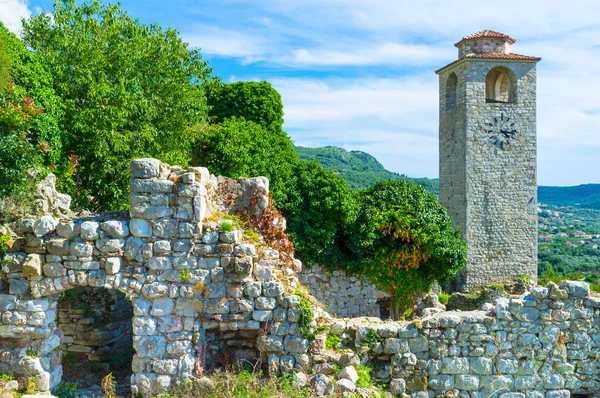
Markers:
(226, 226)
(4, 239)
(443, 297)
(332, 342)
(251, 236)
(245, 384)
(365, 376)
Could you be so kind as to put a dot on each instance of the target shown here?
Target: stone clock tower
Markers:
(488, 157)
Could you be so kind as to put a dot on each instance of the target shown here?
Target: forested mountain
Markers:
(584, 196)
(361, 170)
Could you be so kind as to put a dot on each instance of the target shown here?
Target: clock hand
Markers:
(507, 133)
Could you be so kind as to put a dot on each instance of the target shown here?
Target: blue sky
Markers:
(359, 74)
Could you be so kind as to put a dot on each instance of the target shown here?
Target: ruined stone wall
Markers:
(188, 274)
(344, 295)
(205, 297)
(545, 344)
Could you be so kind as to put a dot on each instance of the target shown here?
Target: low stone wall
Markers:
(344, 295)
(545, 344)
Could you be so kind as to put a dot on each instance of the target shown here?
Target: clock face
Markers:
(500, 132)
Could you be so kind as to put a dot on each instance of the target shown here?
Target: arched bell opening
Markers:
(500, 86)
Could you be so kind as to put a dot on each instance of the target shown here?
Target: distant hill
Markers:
(584, 196)
(362, 170)
(359, 169)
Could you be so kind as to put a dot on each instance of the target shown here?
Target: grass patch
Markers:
(251, 236)
(4, 239)
(365, 376)
(332, 342)
(226, 226)
(245, 384)
(443, 297)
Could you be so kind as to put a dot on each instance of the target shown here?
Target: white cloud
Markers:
(223, 42)
(11, 12)
(379, 54)
(395, 120)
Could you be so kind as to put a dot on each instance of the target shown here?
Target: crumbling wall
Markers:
(345, 295)
(544, 344)
(205, 296)
(184, 279)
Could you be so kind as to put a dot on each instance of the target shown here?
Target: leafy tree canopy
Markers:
(404, 240)
(129, 90)
(316, 221)
(237, 147)
(258, 102)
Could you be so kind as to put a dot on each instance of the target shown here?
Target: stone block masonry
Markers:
(488, 157)
(204, 296)
(96, 323)
(185, 278)
(544, 344)
(345, 295)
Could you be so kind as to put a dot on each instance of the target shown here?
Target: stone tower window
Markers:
(500, 86)
(451, 92)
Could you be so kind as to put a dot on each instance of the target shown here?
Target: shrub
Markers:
(404, 241)
(325, 207)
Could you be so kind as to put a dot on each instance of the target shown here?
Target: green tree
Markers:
(258, 102)
(404, 240)
(129, 90)
(325, 207)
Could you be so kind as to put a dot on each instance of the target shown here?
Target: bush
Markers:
(30, 111)
(403, 240)
(325, 207)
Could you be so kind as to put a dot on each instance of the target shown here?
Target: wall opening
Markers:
(96, 324)
(451, 92)
(500, 86)
(227, 350)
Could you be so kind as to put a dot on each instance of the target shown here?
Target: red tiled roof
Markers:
(502, 56)
(514, 57)
(487, 34)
